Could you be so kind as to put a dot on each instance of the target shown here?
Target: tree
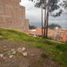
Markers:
(50, 6)
(53, 26)
(32, 27)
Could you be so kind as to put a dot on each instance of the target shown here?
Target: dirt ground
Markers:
(32, 59)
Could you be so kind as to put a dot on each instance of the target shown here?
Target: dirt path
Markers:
(33, 56)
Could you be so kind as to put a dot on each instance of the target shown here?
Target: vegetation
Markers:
(54, 50)
(53, 26)
(50, 6)
(32, 27)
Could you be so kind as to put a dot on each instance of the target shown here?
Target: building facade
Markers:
(58, 35)
(12, 15)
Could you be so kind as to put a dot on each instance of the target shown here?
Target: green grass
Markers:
(57, 51)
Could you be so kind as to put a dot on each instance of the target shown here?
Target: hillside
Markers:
(39, 52)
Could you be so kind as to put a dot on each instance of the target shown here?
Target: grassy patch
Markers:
(55, 50)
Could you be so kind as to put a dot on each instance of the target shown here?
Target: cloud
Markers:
(34, 15)
(28, 4)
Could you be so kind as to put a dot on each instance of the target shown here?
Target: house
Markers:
(64, 35)
(56, 34)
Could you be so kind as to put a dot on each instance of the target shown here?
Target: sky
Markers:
(34, 15)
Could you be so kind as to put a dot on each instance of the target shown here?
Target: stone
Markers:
(23, 48)
(19, 49)
(1, 55)
(11, 56)
(25, 54)
(22, 51)
(13, 51)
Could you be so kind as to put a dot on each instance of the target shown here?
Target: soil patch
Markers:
(33, 56)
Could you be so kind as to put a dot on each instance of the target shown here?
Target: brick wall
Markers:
(12, 15)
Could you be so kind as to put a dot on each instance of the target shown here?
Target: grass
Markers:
(57, 51)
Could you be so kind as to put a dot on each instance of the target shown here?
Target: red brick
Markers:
(12, 15)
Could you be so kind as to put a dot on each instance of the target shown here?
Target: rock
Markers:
(8, 53)
(1, 55)
(25, 54)
(13, 51)
(11, 56)
(19, 49)
(23, 49)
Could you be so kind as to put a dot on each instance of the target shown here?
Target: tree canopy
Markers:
(53, 26)
(32, 27)
(53, 5)
(50, 7)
